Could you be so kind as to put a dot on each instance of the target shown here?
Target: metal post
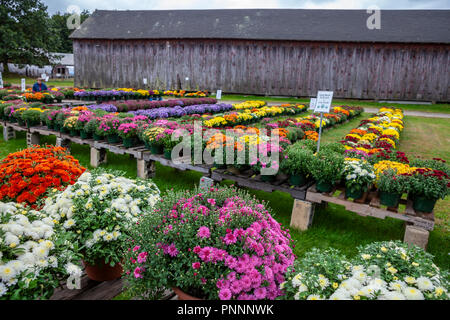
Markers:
(320, 131)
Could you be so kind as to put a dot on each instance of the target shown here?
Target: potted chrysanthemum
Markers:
(99, 211)
(326, 168)
(391, 186)
(389, 270)
(219, 243)
(426, 186)
(359, 176)
(35, 254)
(295, 163)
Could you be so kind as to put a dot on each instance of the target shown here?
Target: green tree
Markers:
(59, 22)
(26, 33)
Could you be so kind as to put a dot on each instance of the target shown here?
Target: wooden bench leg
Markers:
(145, 169)
(98, 156)
(33, 139)
(8, 133)
(302, 215)
(417, 236)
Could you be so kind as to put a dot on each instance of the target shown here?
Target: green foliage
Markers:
(391, 182)
(429, 184)
(297, 159)
(58, 22)
(435, 164)
(326, 166)
(26, 35)
(333, 147)
(32, 116)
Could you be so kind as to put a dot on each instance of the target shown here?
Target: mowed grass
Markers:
(439, 107)
(333, 226)
(17, 80)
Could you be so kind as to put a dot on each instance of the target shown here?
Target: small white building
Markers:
(61, 66)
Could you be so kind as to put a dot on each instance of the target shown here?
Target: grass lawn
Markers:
(17, 80)
(441, 108)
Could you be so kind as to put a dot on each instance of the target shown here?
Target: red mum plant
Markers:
(27, 175)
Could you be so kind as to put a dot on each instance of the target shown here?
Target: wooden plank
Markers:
(104, 291)
(67, 294)
(371, 208)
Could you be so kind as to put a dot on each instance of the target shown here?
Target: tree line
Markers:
(28, 32)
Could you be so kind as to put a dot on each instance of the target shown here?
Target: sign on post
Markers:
(46, 78)
(145, 81)
(23, 85)
(219, 94)
(323, 104)
(43, 76)
(1, 81)
(312, 104)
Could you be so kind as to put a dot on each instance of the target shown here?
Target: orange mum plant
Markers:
(25, 176)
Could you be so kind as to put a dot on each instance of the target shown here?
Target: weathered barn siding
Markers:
(293, 68)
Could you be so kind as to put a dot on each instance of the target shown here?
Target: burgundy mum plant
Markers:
(217, 244)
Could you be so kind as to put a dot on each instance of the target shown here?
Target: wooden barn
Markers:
(287, 52)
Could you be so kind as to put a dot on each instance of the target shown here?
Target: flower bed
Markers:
(213, 244)
(251, 115)
(142, 105)
(27, 175)
(380, 271)
(117, 94)
(179, 111)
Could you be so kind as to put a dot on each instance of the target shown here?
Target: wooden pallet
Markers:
(183, 165)
(45, 131)
(94, 290)
(118, 148)
(250, 180)
(15, 126)
(90, 290)
(370, 206)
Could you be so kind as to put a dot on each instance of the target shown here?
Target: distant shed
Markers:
(269, 52)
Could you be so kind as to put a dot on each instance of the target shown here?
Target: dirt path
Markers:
(374, 110)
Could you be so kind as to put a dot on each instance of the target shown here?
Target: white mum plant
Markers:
(35, 255)
(99, 210)
(381, 271)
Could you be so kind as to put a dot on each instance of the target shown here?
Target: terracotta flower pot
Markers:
(183, 295)
(102, 271)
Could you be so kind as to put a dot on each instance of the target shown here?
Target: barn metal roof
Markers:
(410, 26)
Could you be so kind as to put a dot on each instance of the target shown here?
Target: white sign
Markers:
(46, 78)
(145, 80)
(219, 94)
(23, 85)
(323, 102)
(43, 76)
(187, 78)
(1, 81)
(312, 104)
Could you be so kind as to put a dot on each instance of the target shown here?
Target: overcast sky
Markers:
(91, 5)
